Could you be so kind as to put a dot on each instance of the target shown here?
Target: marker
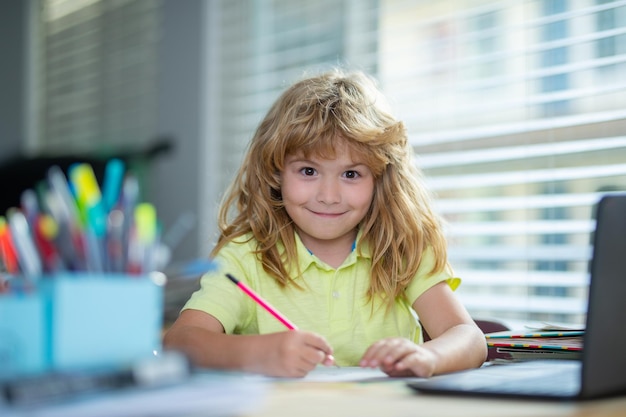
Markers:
(257, 298)
(146, 234)
(115, 241)
(71, 242)
(112, 183)
(7, 248)
(30, 207)
(129, 199)
(89, 198)
(68, 237)
(45, 233)
(28, 257)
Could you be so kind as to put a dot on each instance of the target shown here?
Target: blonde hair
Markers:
(311, 117)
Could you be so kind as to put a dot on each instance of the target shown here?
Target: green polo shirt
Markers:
(332, 303)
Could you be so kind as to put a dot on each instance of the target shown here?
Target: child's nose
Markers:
(329, 192)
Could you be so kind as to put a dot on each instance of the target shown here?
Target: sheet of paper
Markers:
(333, 374)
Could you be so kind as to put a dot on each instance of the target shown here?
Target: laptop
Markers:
(601, 372)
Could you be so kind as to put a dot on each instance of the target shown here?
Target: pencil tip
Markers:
(232, 278)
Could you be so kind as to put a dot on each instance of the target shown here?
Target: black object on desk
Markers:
(165, 369)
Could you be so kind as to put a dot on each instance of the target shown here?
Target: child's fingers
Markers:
(323, 348)
(303, 351)
(420, 363)
(329, 360)
(386, 351)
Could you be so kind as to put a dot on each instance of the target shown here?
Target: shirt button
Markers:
(335, 294)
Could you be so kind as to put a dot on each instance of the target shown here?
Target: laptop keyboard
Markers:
(558, 378)
(563, 382)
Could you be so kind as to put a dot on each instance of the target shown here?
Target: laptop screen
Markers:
(604, 361)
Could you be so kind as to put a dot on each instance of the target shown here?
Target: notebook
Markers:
(601, 372)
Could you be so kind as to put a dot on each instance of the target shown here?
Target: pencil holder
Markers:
(23, 335)
(73, 321)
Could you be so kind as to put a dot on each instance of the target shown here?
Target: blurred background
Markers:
(516, 110)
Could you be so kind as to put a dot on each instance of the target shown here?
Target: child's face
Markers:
(326, 198)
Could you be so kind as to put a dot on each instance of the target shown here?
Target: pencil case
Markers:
(78, 320)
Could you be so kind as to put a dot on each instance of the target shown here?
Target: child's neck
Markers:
(333, 252)
(333, 258)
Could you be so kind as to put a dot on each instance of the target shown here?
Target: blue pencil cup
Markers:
(23, 334)
(73, 321)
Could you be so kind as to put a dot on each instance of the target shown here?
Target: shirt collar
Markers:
(306, 259)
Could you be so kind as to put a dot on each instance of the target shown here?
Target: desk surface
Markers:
(329, 393)
(391, 399)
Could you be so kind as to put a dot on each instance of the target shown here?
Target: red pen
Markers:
(7, 248)
(45, 233)
(257, 298)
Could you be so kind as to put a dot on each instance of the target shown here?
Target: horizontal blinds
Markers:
(97, 74)
(515, 110)
(265, 45)
(516, 113)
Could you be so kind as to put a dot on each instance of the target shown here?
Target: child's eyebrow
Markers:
(299, 160)
(357, 164)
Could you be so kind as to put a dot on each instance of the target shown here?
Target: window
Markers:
(516, 111)
(517, 171)
(96, 74)
(509, 107)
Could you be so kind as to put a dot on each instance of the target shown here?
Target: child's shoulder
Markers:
(240, 246)
(244, 242)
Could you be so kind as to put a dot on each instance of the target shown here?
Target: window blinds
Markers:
(96, 78)
(515, 110)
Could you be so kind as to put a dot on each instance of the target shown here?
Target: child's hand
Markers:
(399, 357)
(292, 353)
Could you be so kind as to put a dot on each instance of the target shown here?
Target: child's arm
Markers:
(290, 353)
(457, 342)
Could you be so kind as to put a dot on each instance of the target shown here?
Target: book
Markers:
(552, 343)
(545, 340)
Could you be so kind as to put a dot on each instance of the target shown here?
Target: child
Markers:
(328, 222)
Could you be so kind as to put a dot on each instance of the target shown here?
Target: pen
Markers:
(257, 298)
(89, 197)
(65, 211)
(7, 248)
(27, 254)
(45, 233)
(30, 207)
(115, 241)
(128, 201)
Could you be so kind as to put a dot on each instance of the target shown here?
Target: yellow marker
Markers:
(86, 185)
(146, 222)
(89, 197)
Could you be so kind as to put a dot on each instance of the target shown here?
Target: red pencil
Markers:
(257, 298)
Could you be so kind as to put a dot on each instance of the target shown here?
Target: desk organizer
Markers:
(72, 321)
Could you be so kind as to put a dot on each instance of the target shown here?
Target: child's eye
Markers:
(308, 171)
(351, 174)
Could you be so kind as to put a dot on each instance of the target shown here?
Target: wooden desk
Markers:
(394, 399)
(236, 395)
